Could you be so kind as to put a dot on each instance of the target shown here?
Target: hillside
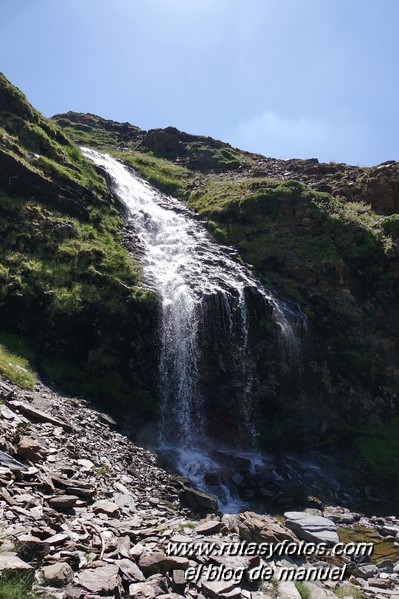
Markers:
(74, 305)
(71, 297)
(326, 235)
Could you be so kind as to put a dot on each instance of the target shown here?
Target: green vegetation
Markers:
(349, 590)
(40, 146)
(87, 132)
(382, 549)
(16, 369)
(163, 174)
(16, 586)
(328, 252)
(102, 471)
(71, 262)
(303, 589)
(67, 286)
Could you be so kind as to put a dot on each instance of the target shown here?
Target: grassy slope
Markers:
(67, 286)
(333, 254)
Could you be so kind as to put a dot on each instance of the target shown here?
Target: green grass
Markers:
(13, 586)
(349, 590)
(303, 589)
(78, 265)
(16, 368)
(163, 174)
(24, 131)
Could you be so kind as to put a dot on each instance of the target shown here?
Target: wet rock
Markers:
(198, 501)
(312, 528)
(58, 575)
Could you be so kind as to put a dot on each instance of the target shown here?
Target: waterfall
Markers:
(202, 291)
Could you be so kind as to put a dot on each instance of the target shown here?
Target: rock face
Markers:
(312, 528)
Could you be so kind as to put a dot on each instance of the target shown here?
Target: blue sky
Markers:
(286, 78)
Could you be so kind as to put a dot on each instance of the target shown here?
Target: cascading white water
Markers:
(186, 266)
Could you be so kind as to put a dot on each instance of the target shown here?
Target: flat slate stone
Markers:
(209, 527)
(311, 528)
(104, 579)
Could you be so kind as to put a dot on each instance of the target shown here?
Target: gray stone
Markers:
(158, 562)
(262, 529)
(217, 588)
(141, 590)
(105, 507)
(179, 580)
(11, 564)
(197, 500)
(209, 527)
(130, 571)
(58, 574)
(63, 502)
(124, 501)
(312, 528)
(104, 579)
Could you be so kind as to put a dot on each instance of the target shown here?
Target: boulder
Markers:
(158, 562)
(312, 528)
(30, 449)
(209, 527)
(58, 575)
(198, 501)
(262, 529)
(130, 571)
(104, 579)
